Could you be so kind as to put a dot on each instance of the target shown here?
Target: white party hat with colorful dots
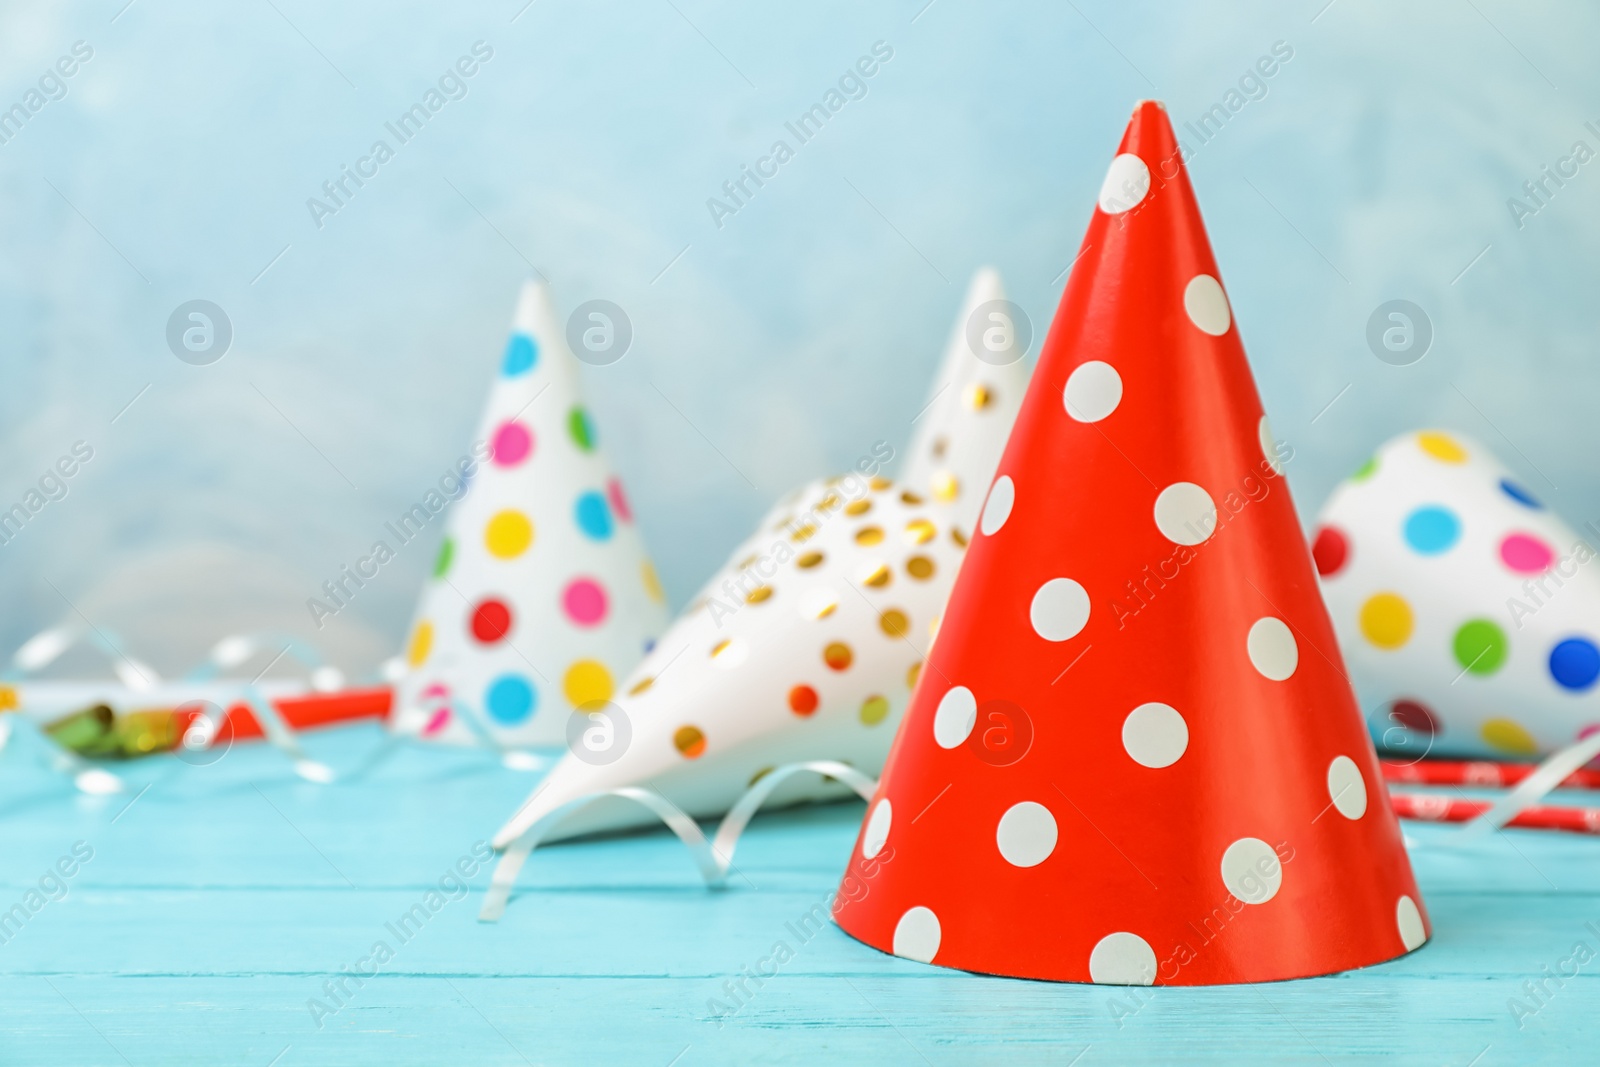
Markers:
(804, 647)
(973, 402)
(1469, 614)
(542, 596)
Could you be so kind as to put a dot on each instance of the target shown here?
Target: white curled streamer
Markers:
(714, 858)
(1531, 789)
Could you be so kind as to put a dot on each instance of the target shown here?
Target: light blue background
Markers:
(1377, 166)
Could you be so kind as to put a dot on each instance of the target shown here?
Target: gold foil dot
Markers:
(958, 537)
(721, 647)
(910, 498)
(911, 674)
(880, 483)
(838, 656)
(874, 710)
(756, 777)
(803, 533)
(809, 560)
(689, 741)
(758, 594)
(641, 685)
(945, 487)
(920, 567)
(879, 577)
(894, 622)
(869, 535)
(920, 532)
(858, 507)
(978, 396)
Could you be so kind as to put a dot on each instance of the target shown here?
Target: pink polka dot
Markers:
(585, 602)
(438, 721)
(619, 503)
(512, 443)
(1526, 554)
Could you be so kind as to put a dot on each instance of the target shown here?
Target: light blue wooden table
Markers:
(217, 905)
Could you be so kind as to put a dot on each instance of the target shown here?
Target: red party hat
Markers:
(1134, 756)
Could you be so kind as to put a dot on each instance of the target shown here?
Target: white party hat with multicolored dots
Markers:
(804, 647)
(542, 596)
(1469, 614)
(973, 402)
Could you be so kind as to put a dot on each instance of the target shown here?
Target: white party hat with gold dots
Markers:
(972, 403)
(804, 647)
(542, 596)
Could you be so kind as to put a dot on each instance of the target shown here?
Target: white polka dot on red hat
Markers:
(1185, 513)
(877, 832)
(956, 715)
(1155, 735)
(1122, 959)
(1251, 870)
(1127, 182)
(1060, 609)
(1347, 790)
(1207, 305)
(1002, 497)
(1408, 917)
(917, 935)
(1026, 834)
(1272, 647)
(1093, 391)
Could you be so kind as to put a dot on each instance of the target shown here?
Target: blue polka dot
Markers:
(1432, 530)
(594, 516)
(521, 355)
(510, 699)
(1575, 663)
(1519, 494)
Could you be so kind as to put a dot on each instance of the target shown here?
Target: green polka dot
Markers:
(1365, 471)
(1480, 647)
(447, 552)
(581, 429)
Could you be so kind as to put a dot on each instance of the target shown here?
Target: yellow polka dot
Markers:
(641, 685)
(880, 484)
(838, 656)
(1441, 447)
(874, 710)
(1507, 736)
(421, 643)
(829, 502)
(652, 584)
(878, 577)
(809, 560)
(858, 507)
(689, 741)
(945, 487)
(910, 498)
(803, 532)
(920, 567)
(508, 534)
(920, 532)
(758, 594)
(869, 535)
(958, 537)
(586, 682)
(8, 698)
(1386, 620)
(894, 622)
(911, 674)
(977, 396)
